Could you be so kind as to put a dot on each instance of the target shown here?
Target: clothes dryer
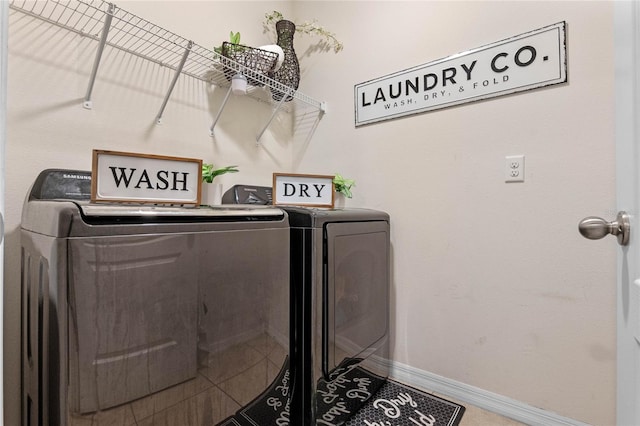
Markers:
(340, 282)
(340, 279)
(120, 302)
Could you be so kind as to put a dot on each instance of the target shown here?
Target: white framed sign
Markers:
(125, 177)
(524, 62)
(303, 190)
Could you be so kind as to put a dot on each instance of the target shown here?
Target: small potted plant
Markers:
(212, 192)
(262, 60)
(234, 38)
(342, 187)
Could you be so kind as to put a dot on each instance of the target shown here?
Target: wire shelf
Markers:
(117, 28)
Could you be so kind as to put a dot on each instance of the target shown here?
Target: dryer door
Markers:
(356, 291)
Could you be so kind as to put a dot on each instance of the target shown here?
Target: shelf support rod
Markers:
(96, 62)
(174, 81)
(224, 103)
(273, 114)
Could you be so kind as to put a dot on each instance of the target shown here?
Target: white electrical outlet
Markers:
(514, 168)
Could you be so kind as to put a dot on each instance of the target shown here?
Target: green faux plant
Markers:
(209, 173)
(343, 185)
(233, 38)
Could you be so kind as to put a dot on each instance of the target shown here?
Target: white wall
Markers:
(492, 285)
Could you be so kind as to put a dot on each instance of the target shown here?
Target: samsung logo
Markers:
(83, 177)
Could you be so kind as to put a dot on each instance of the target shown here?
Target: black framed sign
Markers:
(125, 177)
(524, 62)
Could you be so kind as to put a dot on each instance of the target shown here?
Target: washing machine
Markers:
(340, 283)
(121, 303)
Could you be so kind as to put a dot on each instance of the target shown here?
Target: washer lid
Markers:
(58, 204)
(166, 213)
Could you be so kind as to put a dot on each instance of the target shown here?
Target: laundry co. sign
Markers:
(528, 61)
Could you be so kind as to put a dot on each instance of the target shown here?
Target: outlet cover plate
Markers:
(514, 168)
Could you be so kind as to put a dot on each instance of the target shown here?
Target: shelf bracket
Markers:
(215, 120)
(96, 62)
(273, 114)
(185, 55)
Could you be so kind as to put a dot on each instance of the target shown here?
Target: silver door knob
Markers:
(594, 228)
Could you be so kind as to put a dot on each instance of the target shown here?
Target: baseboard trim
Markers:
(489, 401)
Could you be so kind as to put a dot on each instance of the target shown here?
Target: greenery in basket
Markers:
(209, 172)
(307, 27)
(343, 185)
(233, 38)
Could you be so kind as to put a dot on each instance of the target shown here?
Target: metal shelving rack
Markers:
(112, 26)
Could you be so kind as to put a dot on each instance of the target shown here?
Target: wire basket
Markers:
(258, 60)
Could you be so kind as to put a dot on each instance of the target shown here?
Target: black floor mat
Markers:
(391, 403)
(400, 405)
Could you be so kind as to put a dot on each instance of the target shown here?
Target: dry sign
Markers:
(528, 61)
(140, 178)
(303, 190)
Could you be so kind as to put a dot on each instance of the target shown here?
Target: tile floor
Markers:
(225, 381)
(474, 416)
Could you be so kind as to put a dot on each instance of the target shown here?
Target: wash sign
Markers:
(528, 61)
(124, 177)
